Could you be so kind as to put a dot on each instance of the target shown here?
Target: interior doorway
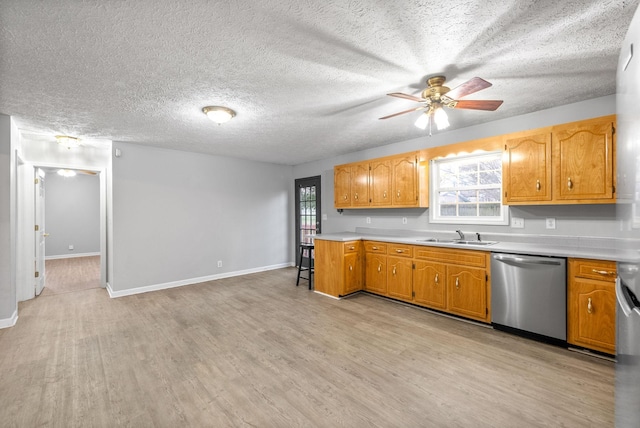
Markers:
(308, 207)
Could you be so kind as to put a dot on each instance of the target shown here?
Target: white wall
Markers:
(590, 220)
(8, 304)
(72, 214)
(175, 214)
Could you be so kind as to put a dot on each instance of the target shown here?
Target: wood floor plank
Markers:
(258, 351)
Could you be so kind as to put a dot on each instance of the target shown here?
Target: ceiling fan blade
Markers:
(490, 105)
(406, 96)
(469, 87)
(403, 112)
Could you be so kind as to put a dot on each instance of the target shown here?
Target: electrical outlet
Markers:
(517, 222)
(368, 220)
(551, 223)
(219, 263)
(71, 246)
(324, 216)
(404, 220)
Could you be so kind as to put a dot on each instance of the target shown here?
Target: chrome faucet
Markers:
(460, 233)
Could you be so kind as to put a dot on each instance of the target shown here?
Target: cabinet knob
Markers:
(538, 185)
(589, 306)
(569, 184)
(384, 194)
(457, 283)
(379, 268)
(394, 270)
(355, 196)
(352, 248)
(346, 197)
(350, 267)
(437, 279)
(374, 248)
(399, 251)
(398, 194)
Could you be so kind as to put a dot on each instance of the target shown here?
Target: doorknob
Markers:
(45, 235)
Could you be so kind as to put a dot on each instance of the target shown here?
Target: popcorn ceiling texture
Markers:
(307, 79)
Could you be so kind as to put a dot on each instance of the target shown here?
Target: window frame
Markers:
(434, 191)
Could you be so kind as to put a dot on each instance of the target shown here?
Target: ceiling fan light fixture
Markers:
(423, 121)
(441, 119)
(219, 114)
(68, 142)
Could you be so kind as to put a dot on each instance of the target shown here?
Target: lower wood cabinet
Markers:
(446, 279)
(375, 267)
(429, 284)
(338, 267)
(591, 304)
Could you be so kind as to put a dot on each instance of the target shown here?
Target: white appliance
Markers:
(628, 215)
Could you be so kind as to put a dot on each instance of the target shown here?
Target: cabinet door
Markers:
(352, 273)
(360, 185)
(583, 161)
(399, 277)
(405, 180)
(429, 284)
(376, 273)
(341, 186)
(591, 314)
(380, 187)
(526, 168)
(467, 292)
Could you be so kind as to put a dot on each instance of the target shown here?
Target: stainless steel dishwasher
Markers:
(529, 294)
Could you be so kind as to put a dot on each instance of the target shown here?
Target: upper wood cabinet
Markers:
(526, 169)
(572, 163)
(392, 182)
(583, 161)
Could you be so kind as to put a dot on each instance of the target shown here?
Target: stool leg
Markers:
(310, 268)
(300, 265)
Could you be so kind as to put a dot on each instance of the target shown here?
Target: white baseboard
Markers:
(9, 322)
(327, 295)
(71, 256)
(138, 290)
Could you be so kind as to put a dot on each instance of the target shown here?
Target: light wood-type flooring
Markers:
(257, 351)
(72, 274)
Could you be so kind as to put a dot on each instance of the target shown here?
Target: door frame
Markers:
(304, 182)
(26, 286)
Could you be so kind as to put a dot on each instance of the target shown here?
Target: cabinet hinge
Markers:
(486, 277)
(37, 274)
(37, 228)
(36, 181)
(614, 189)
(486, 311)
(413, 265)
(413, 294)
(613, 129)
(505, 194)
(505, 147)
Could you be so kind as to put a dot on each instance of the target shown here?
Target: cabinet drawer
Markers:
(375, 247)
(594, 269)
(400, 250)
(450, 255)
(351, 247)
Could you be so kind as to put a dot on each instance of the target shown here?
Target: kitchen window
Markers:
(467, 190)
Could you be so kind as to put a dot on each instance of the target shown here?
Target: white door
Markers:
(40, 234)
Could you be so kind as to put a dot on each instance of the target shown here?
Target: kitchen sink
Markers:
(461, 242)
(457, 241)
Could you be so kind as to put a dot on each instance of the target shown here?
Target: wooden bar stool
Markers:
(309, 249)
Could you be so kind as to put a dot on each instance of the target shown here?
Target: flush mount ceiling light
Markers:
(68, 142)
(219, 114)
(67, 172)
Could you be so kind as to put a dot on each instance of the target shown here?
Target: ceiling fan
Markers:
(436, 96)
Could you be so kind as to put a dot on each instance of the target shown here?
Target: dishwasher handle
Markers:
(524, 260)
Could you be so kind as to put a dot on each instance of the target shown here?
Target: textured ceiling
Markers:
(307, 78)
